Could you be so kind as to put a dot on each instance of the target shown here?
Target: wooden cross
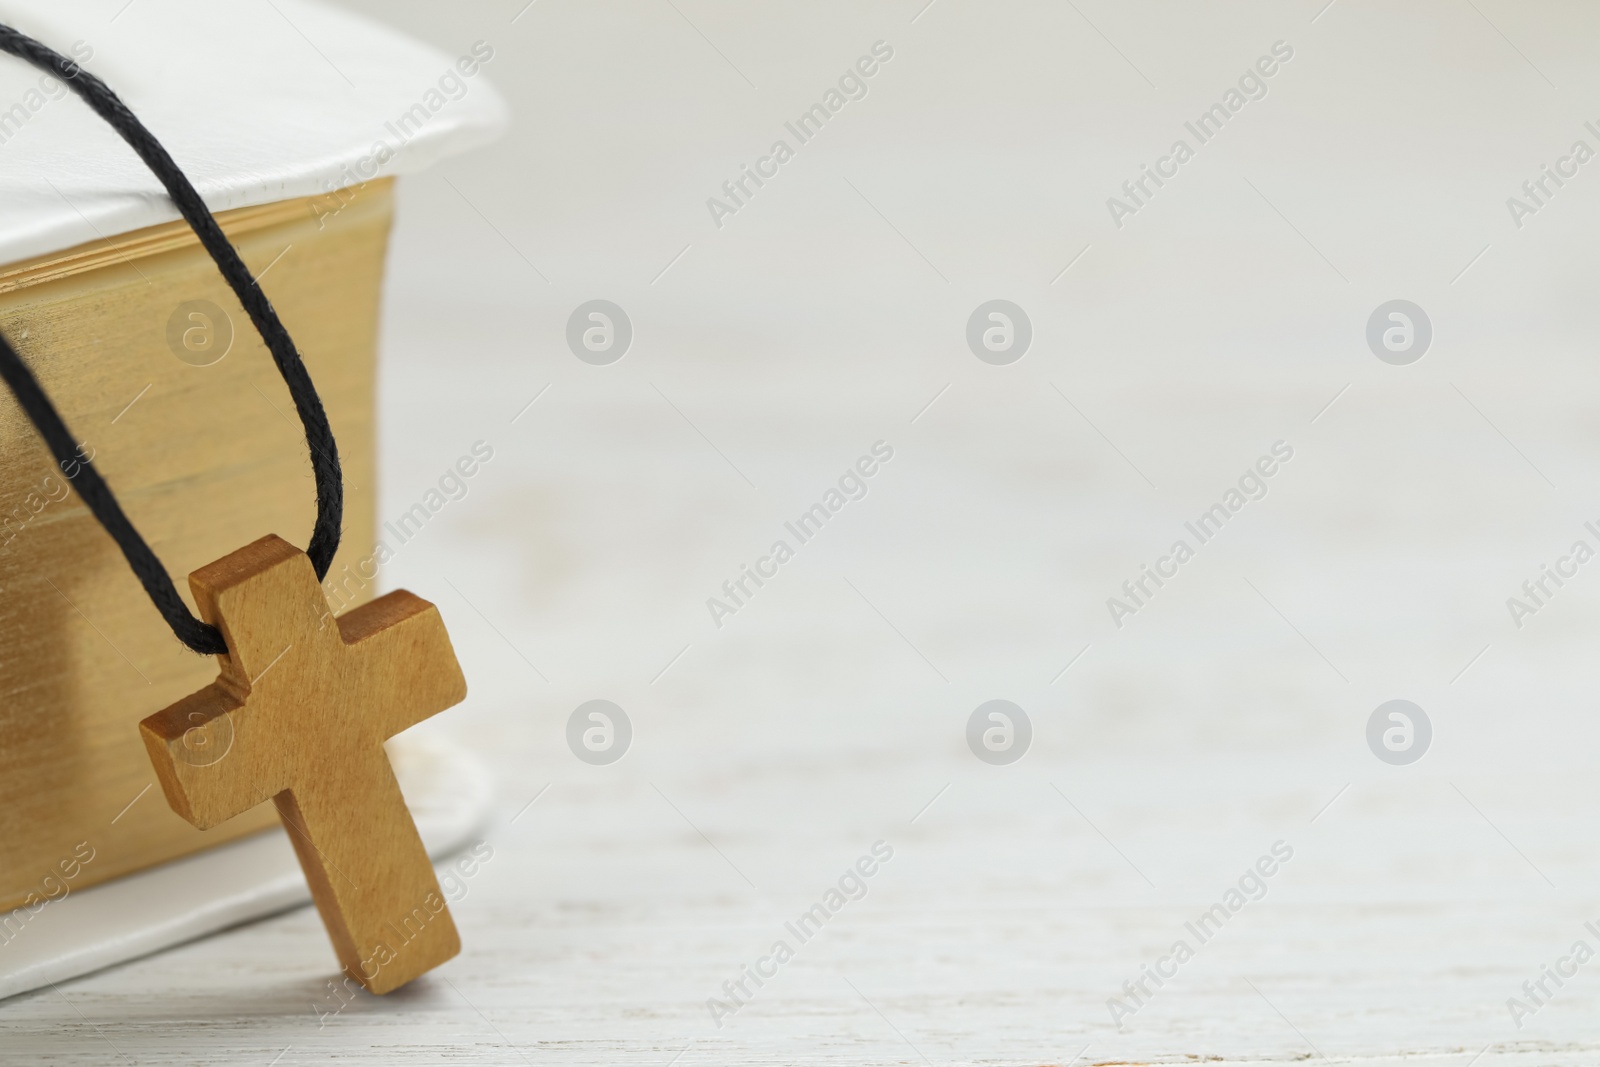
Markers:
(299, 715)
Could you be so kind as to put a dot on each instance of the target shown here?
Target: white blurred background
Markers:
(1221, 318)
(1167, 355)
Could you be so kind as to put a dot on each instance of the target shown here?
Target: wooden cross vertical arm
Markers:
(299, 715)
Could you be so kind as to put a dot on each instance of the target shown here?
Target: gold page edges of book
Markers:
(168, 387)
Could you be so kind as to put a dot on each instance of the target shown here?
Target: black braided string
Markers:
(198, 635)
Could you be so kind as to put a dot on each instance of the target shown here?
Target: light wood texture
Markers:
(299, 715)
(204, 459)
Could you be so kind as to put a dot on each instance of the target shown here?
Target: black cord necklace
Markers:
(200, 636)
(308, 733)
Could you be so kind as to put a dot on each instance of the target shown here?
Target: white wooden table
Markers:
(830, 712)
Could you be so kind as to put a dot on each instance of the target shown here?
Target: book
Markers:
(161, 376)
(130, 329)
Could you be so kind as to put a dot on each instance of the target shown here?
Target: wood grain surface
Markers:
(299, 715)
